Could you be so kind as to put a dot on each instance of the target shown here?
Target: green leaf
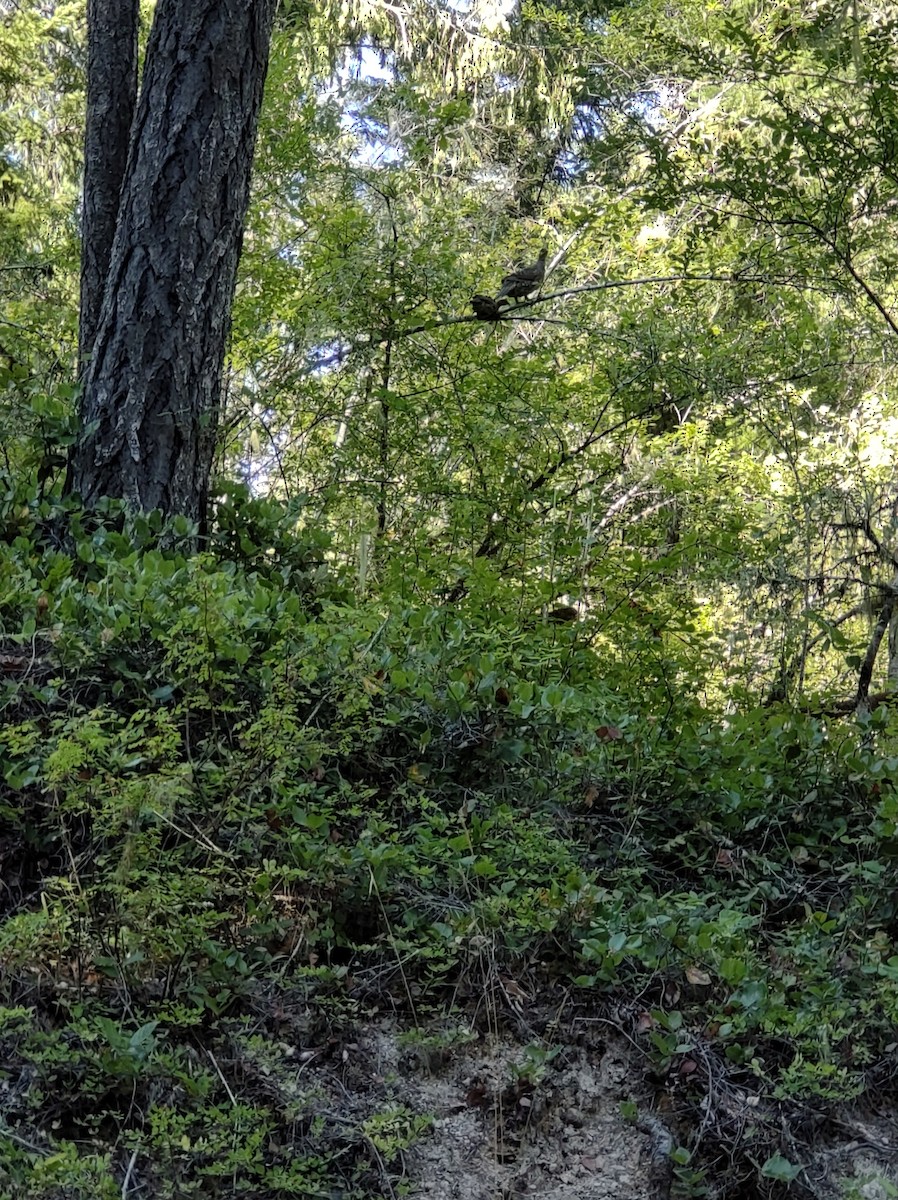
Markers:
(780, 1169)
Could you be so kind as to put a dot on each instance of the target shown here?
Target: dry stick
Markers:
(128, 1173)
(372, 887)
(14, 1137)
(227, 1088)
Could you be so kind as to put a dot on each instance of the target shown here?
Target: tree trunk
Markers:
(892, 668)
(111, 94)
(865, 675)
(151, 392)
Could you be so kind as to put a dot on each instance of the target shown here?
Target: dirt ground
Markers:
(563, 1138)
(510, 1118)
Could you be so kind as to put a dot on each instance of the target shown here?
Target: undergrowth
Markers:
(243, 813)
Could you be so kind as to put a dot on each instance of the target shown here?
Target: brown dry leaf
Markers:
(697, 976)
(517, 996)
(608, 733)
(591, 795)
(513, 987)
(644, 1022)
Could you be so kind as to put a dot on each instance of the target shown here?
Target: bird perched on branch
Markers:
(486, 308)
(524, 280)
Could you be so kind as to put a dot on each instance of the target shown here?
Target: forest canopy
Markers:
(693, 414)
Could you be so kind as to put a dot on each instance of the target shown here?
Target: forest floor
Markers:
(494, 1133)
(498, 1117)
(282, 917)
(565, 1136)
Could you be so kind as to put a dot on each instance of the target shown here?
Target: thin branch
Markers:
(42, 267)
(865, 527)
(841, 257)
(514, 314)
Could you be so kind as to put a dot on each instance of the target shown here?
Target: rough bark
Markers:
(111, 96)
(865, 674)
(151, 392)
(892, 669)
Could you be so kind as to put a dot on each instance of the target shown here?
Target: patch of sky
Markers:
(488, 15)
(371, 64)
(364, 72)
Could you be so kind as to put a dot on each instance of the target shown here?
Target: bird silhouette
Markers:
(524, 279)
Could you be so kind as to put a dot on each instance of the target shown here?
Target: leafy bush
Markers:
(222, 777)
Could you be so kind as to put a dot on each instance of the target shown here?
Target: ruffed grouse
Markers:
(524, 280)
